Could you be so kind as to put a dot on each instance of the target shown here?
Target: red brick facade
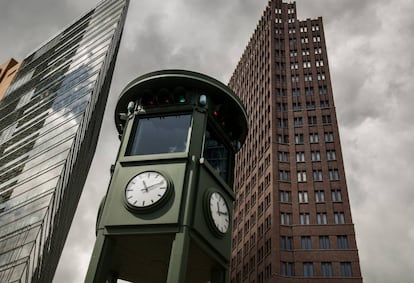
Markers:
(7, 72)
(292, 219)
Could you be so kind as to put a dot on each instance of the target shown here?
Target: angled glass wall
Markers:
(49, 122)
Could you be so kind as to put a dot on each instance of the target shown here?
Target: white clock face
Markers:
(146, 189)
(219, 212)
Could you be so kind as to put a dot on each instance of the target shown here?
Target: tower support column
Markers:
(98, 271)
(178, 260)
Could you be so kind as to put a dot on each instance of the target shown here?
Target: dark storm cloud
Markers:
(350, 26)
(371, 67)
(367, 36)
(189, 34)
(26, 24)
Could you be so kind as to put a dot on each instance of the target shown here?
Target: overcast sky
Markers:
(371, 58)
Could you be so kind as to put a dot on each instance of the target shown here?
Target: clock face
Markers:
(219, 212)
(146, 190)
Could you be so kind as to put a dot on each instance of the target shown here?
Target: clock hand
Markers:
(153, 186)
(222, 213)
(145, 187)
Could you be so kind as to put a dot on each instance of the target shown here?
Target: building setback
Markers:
(50, 117)
(7, 72)
(292, 219)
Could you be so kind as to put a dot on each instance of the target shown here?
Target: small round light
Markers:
(182, 99)
(203, 100)
(131, 106)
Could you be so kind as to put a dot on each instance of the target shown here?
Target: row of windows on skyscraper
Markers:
(308, 78)
(314, 154)
(324, 269)
(304, 41)
(306, 64)
(321, 218)
(298, 121)
(304, 242)
(297, 106)
(296, 78)
(304, 29)
(283, 156)
(284, 176)
(300, 138)
(319, 196)
(288, 269)
(308, 91)
(315, 242)
(305, 52)
(292, 28)
(317, 175)
(284, 197)
(307, 242)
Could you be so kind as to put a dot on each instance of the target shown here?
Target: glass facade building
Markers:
(50, 119)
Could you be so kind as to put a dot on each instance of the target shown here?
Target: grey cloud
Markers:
(369, 59)
(26, 24)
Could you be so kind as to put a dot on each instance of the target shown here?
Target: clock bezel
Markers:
(208, 213)
(159, 203)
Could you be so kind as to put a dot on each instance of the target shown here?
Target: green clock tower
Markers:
(166, 216)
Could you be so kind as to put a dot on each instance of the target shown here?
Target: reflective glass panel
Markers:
(216, 153)
(154, 135)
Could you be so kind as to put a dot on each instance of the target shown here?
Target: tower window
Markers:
(155, 135)
(216, 153)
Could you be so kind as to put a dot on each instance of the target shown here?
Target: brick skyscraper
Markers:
(292, 221)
